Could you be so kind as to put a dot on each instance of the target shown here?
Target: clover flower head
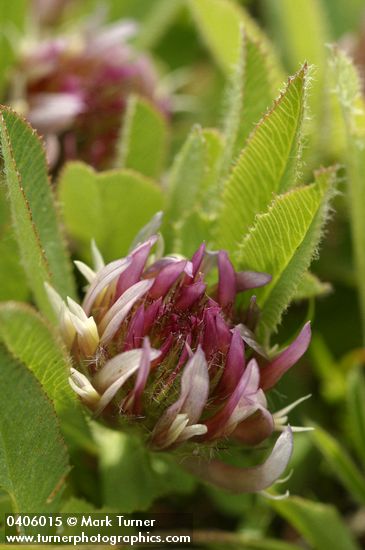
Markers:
(74, 89)
(157, 347)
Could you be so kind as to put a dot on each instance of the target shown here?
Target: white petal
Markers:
(88, 337)
(82, 386)
(121, 364)
(117, 313)
(86, 271)
(76, 309)
(98, 260)
(103, 279)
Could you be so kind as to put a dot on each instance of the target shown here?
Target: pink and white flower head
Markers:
(74, 88)
(157, 348)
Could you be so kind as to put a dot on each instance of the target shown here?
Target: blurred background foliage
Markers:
(329, 464)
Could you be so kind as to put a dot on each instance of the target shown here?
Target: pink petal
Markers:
(135, 332)
(223, 422)
(286, 359)
(150, 315)
(166, 278)
(235, 365)
(133, 273)
(227, 280)
(198, 258)
(135, 400)
(189, 295)
(224, 335)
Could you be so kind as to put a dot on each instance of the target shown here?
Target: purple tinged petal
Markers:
(133, 273)
(116, 367)
(120, 309)
(154, 269)
(189, 295)
(286, 359)
(166, 278)
(251, 279)
(190, 405)
(195, 386)
(234, 367)
(116, 372)
(247, 480)
(103, 278)
(227, 281)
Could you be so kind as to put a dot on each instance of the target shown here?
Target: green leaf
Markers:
(341, 464)
(78, 506)
(258, 91)
(311, 287)
(348, 92)
(191, 231)
(132, 478)
(220, 23)
(300, 30)
(143, 142)
(29, 339)
(193, 180)
(356, 410)
(13, 284)
(160, 17)
(267, 165)
(192, 171)
(232, 107)
(282, 242)
(33, 211)
(329, 372)
(110, 207)
(33, 458)
(250, 92)
(319, 524)
(12, 19)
